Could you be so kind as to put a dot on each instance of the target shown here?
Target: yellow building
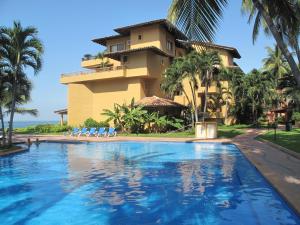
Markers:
(138, 55)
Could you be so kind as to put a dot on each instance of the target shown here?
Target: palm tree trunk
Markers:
(12, 112)
(205, 99)
(189, 103)
(194, 102)
(279, 40)
(2, 127)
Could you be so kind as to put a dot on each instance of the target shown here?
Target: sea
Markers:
(21, 124)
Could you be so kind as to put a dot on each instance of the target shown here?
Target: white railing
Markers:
(98, 70)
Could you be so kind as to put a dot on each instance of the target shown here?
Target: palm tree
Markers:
(3, 99)
(20, 48)
(210, 63)
(182, 69)
(275, 63)
(104, 60)
(172, 82)
(199, 20)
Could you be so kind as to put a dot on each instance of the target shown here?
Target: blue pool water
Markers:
(136, 183)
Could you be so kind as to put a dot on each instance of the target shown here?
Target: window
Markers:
(117, 47)
(169, 45)
(140, 37)
(113, 48)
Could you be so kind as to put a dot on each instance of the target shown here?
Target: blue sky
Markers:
(66, 28)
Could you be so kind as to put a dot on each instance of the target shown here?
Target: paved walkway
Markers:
(279, 168)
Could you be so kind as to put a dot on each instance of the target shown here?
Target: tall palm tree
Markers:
(209, 66)
(20, 48)
(199, 19)
(183, 69)
(172, 82)
(275, 63)
(3, 98)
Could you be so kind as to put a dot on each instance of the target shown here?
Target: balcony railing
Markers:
(98, 70)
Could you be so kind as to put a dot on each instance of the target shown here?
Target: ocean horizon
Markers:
(21, 124)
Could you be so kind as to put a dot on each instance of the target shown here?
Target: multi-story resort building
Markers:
(138, 56)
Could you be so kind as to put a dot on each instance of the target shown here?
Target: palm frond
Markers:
(196, 18)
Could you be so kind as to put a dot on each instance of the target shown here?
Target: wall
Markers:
(122, 40)
(80, 103)
(150, 37)
(89, 99)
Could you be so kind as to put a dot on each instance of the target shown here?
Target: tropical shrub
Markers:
(43, 128)
(296, 116)
(135, 119)
(90, 122)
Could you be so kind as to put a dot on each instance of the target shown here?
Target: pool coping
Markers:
(281, 148)
(246, 144)
(16, 151)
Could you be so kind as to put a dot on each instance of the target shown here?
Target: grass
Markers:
(289, 140)
(223, 132)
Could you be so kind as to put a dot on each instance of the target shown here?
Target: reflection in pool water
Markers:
(136, 183)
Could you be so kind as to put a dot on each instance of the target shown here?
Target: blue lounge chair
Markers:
(111, 132)
(101, 132)
(83, 131)
(92, 132)
(74, 132)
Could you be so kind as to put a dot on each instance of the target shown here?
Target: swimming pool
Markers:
(136, 183)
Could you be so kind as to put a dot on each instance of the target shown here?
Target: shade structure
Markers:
(163, 106)
(155, 101)
(61, 112)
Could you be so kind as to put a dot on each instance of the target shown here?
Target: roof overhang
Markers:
(234, 52)
(103, 41)
(125, 31)
(61, 111)
(117, 55)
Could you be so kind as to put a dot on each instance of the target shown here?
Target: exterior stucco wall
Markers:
(89, 99)
(80, 103)
(150, 37)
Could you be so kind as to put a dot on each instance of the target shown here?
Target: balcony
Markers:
(97, 74)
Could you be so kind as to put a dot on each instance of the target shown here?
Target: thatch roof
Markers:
(61, 111)
(158, 102)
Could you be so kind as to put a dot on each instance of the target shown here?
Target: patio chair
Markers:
(111, 132)
(74, 132)
(83, 131)
(92, 132)
(101, 132)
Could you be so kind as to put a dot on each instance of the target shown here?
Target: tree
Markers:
(183, 69)
(260, 88)
(199, 20)
(104, 60)
(114, 115)
(3, 99)
(209, 67)
(275, 63)
(19, 48)
(172, 82)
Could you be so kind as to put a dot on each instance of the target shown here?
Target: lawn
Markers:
(223, 132)
(289, 140)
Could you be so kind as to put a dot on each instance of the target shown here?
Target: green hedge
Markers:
(91, 123)
(43, 128)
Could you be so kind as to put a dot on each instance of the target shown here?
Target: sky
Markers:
(66, 28)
